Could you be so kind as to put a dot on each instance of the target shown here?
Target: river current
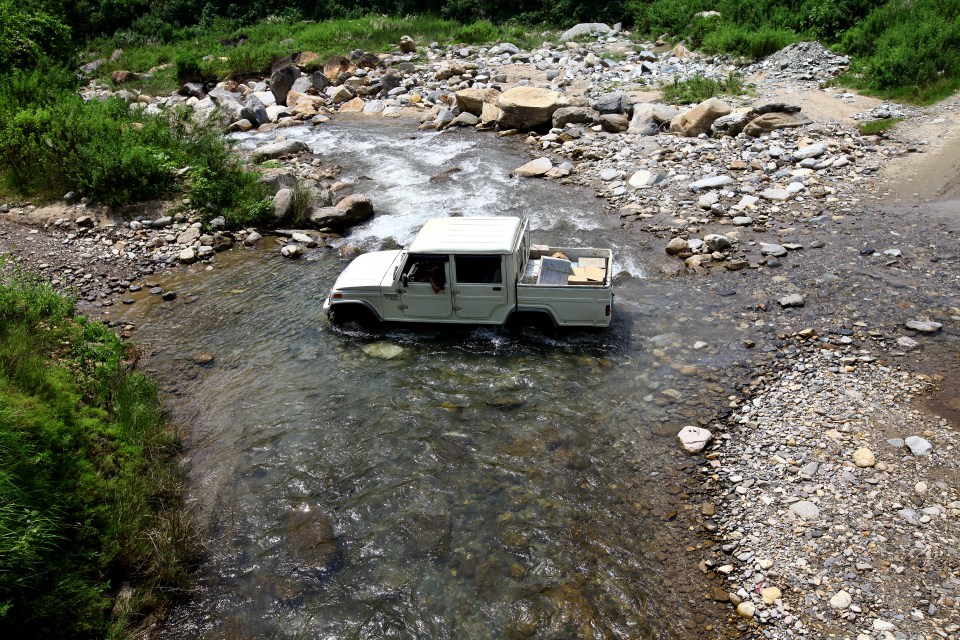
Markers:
(453, 484)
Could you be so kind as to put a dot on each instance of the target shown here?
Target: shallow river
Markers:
(414, 485)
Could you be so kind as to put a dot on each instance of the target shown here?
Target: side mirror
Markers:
(405, 280)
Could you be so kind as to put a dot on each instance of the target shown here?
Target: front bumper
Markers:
(326, 306)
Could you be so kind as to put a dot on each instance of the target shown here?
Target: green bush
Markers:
(750, 43)
(29, 34)
(88, 496)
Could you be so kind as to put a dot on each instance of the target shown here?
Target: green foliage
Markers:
(88, 496)
(750, 43)
(699, 88)
(51, 142)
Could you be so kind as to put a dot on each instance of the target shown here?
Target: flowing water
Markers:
(418, 484)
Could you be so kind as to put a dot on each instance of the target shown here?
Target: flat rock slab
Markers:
(713, 182)
(534, 168)
(775, 250)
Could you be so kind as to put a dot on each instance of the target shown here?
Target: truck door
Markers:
(479, 289)
(417, 297)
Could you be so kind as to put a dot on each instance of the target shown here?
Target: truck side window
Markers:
(479, 269)
(419, 267)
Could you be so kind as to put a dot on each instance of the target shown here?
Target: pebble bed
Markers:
(838, 511)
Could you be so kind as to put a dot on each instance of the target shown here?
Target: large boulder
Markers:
(281, 80)
(350, 211)
(278, 150)
(585, 29)
(471, 100)
(123, 77)
(698, 119)
(734, 123)
(528, 107)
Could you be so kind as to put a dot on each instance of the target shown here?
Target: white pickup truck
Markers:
(476, 271)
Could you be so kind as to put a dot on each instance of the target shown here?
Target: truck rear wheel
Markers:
(537, 320)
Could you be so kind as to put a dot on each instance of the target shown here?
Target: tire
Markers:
(348, 316)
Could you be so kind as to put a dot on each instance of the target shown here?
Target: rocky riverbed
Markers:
(835, 483)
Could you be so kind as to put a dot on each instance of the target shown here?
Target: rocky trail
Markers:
(835, 480)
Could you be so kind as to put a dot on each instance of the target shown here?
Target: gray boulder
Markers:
(281, 81)
(282, 203)
(614, 102)
(350, 211)
(528, 107)
(574, 115)
(278, 150)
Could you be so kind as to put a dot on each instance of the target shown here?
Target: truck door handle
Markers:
(498, 288)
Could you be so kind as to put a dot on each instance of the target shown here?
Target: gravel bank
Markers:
(829, 523)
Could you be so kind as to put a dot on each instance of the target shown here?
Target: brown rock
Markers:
(310, 539)
(352, 106)
(698, 119)
(770, 121)
(335, 65)
(407, 45)
(122, 77)
(307, 60)
(472, 100)
(528, 107)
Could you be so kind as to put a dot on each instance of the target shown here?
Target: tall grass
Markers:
(89, 495)
(699, 88)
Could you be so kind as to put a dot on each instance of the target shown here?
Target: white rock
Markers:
(918, 446)
(534, 168)
(841, 600)
(693, 439)
(291, 251)
(863, 457)
(883, 625)
(805, 509)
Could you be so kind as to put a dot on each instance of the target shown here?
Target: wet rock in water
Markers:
(791, 301)
(560, 611)
(383, 350)
(311, 539)
(188, 256)
(528, 107)
(534, 168)
(805, 509)
(292, 251)
(693, 439)
(427, 534)
(252, 238)
(918, 446)
(923, 326)
(278, 150)
(717, 242)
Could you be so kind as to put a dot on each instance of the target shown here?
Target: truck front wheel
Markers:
(353, 315)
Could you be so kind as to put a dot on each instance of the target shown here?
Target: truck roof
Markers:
(468, 235)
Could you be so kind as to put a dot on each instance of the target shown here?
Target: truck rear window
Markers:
(479, 269)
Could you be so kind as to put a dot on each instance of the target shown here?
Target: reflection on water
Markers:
(461, 484)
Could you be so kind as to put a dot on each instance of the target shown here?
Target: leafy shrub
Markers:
(750, 43)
